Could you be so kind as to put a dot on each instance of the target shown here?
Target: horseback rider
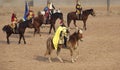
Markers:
(60, 38)
(49, 10)
(30, 14)
(51, 7)
(13, 21)
(78, 9)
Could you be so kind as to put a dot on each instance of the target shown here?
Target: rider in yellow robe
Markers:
(57, 39)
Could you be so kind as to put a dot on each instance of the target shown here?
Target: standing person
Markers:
(13, 21)
(78, 9)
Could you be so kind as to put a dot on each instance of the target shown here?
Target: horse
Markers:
(72, 16)
(21, 30)
(71, 44)
(39, 20)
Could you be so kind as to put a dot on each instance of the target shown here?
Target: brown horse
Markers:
(39, 20)
(72, 16)
(71, 44)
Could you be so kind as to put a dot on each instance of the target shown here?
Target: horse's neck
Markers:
(54, 16)
(74, 36)
(86, 13)
(23, 25)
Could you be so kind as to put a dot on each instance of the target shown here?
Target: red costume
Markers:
(13, 18)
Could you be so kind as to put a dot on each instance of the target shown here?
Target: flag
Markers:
(26, 11)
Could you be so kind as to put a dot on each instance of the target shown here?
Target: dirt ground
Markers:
(100, 49)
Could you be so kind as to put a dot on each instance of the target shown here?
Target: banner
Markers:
(26, 10)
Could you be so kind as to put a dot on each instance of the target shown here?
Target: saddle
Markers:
(14, 28)
(79, 16)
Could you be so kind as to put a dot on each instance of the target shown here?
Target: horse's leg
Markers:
(54, 27)
(58, 51)
(75, 23)
(77, 51)
(84, 26)
(71, 51)
(8, 35)
(35, 30)
(39, 31)
(68, 23)
(20, 36)
(77, 55)
(49, 48)
(48, 52)
(50, 29)
(23, 38)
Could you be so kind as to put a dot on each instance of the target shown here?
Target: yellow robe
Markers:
(57, 36)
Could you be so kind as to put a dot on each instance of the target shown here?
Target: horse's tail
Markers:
(49, 46)
(5, 28)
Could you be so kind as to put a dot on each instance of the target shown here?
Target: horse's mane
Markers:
(57, 13)
(87, 10)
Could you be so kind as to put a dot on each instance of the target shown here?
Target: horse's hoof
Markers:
(25, 43)
(18, 42)
(50, 61)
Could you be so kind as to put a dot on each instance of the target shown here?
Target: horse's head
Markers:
(79, 33)
(92, 12)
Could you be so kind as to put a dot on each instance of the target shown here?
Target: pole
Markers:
(108, 7)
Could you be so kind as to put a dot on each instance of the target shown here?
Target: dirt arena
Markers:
(100, 49)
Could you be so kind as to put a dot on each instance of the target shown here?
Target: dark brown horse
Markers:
(71, 44)
(21, 30)
(72, 16)
(39, 20)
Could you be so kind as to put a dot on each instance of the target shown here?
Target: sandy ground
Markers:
(100, 49)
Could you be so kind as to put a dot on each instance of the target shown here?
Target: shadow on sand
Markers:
(45, 59)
